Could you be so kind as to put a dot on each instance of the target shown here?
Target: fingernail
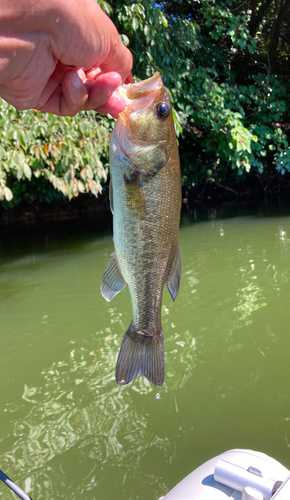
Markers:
(76, 81)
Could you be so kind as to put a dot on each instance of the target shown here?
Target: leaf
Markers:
(105, 6)
(95, 188)
(242, 43)
(216, 127)
(214, 35)
(36, 152)
(15, 159)
(68, 177)
(89, 172)
(81, 187)
(135, 23)
(125, 39)
(82, 127)
(27, 171)
(164, 20)
(8, 193)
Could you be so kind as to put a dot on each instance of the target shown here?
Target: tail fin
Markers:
(141, 354)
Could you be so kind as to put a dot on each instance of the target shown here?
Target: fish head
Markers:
(145, 128)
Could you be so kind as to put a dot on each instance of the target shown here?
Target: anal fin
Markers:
(173, 280)
(112, 280)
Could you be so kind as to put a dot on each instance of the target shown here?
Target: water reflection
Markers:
(79, 411)
(258, 271)
(68, 431)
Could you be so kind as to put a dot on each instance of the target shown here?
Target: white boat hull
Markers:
(202, 485)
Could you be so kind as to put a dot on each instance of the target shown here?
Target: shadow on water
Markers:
(34, 236)
(67, 429)
(20, 237)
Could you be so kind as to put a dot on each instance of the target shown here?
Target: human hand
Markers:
(62, 57)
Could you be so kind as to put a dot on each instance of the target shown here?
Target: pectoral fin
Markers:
(135, 199)
(112, 280)
(173, 279)
(111, 196)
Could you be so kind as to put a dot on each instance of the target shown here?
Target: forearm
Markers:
(64, 23)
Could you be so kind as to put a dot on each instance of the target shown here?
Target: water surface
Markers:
(68, 431)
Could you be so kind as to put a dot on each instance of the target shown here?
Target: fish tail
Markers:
(141, 354)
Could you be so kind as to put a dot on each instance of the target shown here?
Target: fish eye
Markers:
(162, 110)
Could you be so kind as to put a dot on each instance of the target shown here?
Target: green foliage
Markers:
(70, 154)
(157, 43)
(235, 118)
(224, 22)
(231, 110)
(229, 128)
(233, 127)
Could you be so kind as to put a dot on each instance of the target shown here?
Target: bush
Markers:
(51, 154)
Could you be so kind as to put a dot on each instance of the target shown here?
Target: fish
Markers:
(145, 199)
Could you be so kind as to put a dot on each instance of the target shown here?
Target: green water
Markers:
(68, 431)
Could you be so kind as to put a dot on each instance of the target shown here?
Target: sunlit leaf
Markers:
(8, 193)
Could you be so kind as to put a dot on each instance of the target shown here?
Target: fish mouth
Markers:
(140, 90)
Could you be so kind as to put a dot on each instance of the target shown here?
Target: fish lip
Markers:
(139, 90)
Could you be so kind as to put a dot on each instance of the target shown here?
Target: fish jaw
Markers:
(139, 95)
(141, 137)
(139, 90)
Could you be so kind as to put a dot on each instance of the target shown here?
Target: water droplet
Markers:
(158, 395)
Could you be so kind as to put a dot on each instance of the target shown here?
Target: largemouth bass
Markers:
(145, 196)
